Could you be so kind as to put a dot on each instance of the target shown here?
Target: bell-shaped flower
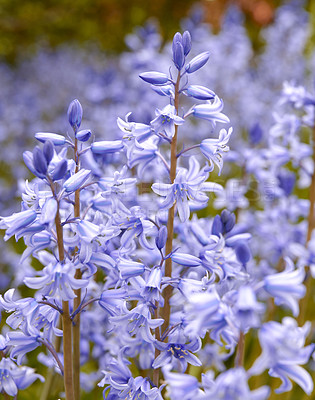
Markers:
(129, 268)
(22, 344)
(287, 287)
(181, 386)
(213, 149)
(134, 130)
(17, 222)
(246, 308)
(283, 352)
(189, 185)
(48, 212)
(177, 352)
(200, 92)
(232, 384)
(166, 120)
(137, 321)
(210, 111)
(14, 378)
(135, 225)
(57, 279)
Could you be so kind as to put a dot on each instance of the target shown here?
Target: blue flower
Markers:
(283, 352)
(166, 120)
(57, 279)
(287, 287)
(14, 378)
(16, 223)
(210, 111)
(181, 352)
(75, 113)
(189, 185)
(232, 384)
(213, 149)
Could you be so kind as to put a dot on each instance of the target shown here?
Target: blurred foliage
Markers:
(25, 24)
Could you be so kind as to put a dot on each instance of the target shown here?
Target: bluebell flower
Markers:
(17, 222)
(232, 384)
(135, 225)
(189, 185)
(134, 130)
(137, 321)
(177, 352)
(210, 111)
(121, 385)
(287, 287)
(14, 378)
(57, 279)
(166, 120)
(213, 149)
(129, 268)
(283, 352)
(22, 344)
(247, 309)
(200, 92)
(181, 386)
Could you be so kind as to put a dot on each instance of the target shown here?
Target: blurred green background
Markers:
(27, 24)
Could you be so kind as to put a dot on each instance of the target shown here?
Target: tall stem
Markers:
(239, 358)
(77, 300)
(165, 311)
(66, 321)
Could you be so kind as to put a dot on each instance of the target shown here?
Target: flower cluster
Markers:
(136, 276)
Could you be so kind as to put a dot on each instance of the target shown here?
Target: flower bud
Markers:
(39, 161)
(58, 140)
(107, 146)
(178, 55)
(200, 92)
(75, 113)
(60, 170)
(76, 181)
(243, 253)
(186, 259)
(197, 62)
(48, 150)
(155, 78)
(176, 39)
(161, 238)
(83, 135)
(217, 226)
(186, 42)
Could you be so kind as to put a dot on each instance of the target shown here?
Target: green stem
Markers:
(77, 300)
